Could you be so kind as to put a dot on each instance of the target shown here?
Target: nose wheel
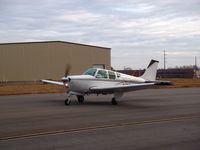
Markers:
(114, 102)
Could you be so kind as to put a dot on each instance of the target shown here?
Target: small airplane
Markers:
(103, 81)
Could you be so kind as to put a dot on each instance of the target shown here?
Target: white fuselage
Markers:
(102, 81)
(99, 78)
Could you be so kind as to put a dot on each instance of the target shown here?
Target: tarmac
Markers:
(148, 119)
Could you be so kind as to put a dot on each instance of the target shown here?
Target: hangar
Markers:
(32, 61)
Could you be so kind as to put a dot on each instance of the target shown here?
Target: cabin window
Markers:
(102, 74)
(111, 75)
(91, 72)
(118, 75)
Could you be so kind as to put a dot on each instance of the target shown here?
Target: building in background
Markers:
(164, 73)
(32, 61)
(176, 73)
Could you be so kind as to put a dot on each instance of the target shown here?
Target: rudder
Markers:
(151, 71)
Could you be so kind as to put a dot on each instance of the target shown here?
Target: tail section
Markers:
(151, 71)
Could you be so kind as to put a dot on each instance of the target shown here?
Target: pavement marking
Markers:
(100, 127)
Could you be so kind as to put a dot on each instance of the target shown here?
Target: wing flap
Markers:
(121, 88)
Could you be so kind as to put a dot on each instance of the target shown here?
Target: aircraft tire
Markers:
(80, 98)
(114, 102)
(67, 102)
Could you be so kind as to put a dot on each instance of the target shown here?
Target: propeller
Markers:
(67, 70)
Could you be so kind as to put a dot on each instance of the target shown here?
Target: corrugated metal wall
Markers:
(47, 60)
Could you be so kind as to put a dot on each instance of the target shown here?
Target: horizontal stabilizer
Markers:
(159, 82)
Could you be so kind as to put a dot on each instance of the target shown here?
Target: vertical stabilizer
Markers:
(151, 71)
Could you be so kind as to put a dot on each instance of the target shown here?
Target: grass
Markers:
(38, 88)
(19, 89)
(183, 83)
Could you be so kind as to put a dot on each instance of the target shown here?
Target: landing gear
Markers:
(67, 101)
(80, 98)
(114, 102)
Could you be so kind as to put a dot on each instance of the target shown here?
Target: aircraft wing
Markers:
(121, 88)
(54, 82)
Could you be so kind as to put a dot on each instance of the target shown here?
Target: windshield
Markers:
(91, 72)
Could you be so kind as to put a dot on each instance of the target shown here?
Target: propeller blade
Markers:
(67, 70)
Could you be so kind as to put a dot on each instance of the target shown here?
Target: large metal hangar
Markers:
(32, 61)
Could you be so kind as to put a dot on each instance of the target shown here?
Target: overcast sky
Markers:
(136, 30)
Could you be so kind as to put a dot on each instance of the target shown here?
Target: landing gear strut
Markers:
(67, 101)
(80, 98)
(114, 102)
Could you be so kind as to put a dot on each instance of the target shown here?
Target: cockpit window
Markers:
(91, 72)
(102, 74)
(111, 75)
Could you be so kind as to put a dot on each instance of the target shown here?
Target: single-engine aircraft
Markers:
(103, 81)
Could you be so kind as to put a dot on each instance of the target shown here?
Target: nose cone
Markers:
(65, 79)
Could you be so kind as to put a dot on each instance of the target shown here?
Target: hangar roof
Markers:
(54, 42)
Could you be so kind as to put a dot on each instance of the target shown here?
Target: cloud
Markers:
(137, 8)
(80, 17)
(135, 29)
(180, 53)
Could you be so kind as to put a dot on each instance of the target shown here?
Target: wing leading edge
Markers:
(121, 88)
(54, 82)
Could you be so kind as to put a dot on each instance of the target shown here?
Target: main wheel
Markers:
(80, 98)
(114, 102)
(67, 101)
